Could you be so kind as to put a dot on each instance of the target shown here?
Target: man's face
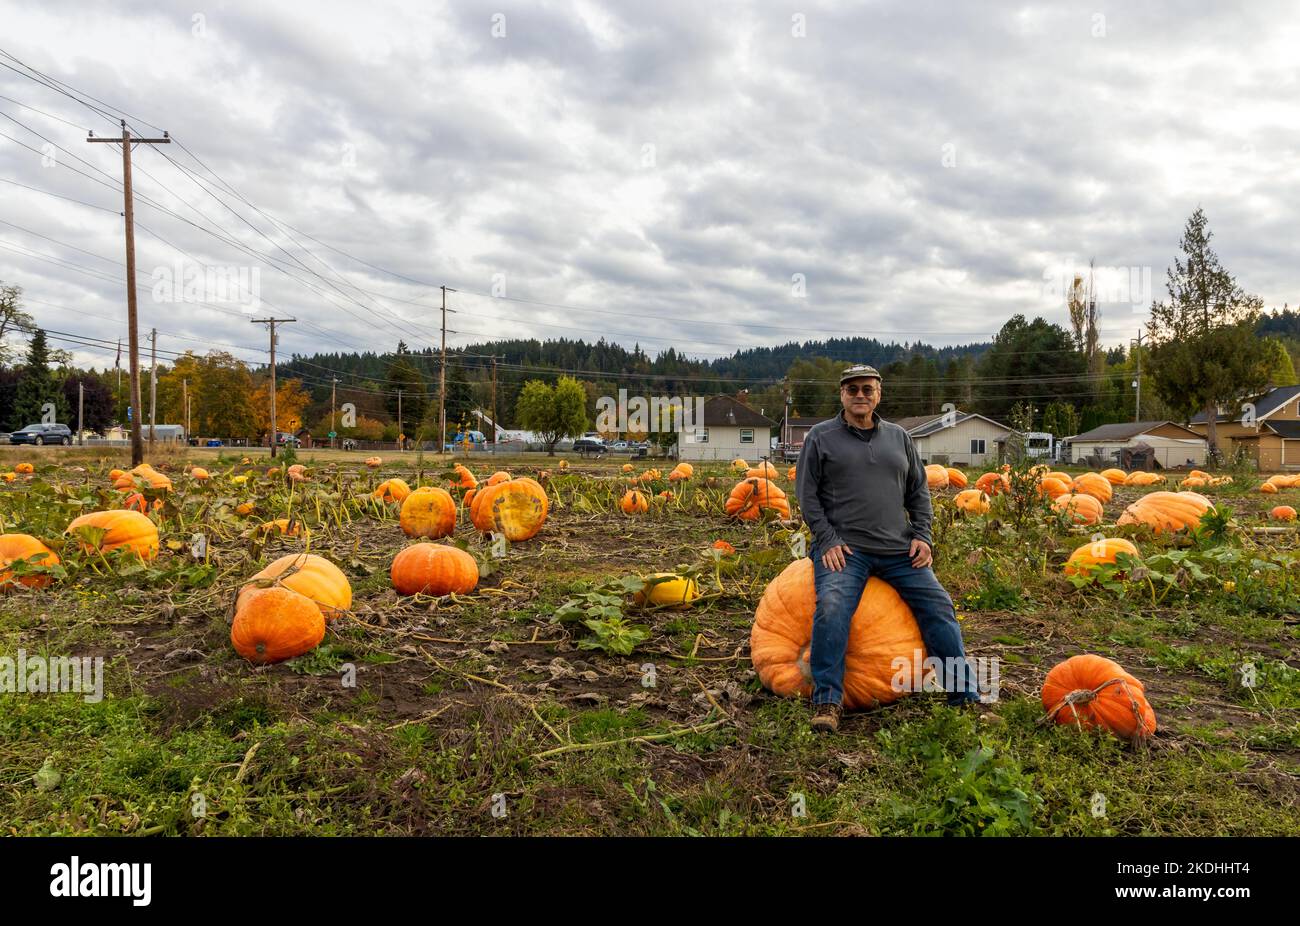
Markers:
(860, 396)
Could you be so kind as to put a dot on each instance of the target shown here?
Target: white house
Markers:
(730, 429)
(956, 438)
(1171, 444)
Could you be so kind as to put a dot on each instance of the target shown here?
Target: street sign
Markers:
(333, 434)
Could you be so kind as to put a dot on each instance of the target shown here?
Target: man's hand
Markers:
(833, 559)
(920, 553)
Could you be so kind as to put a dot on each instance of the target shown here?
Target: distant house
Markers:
(957, 438)
(1266, 429)
(730, 429)
(1172, 444)
(797, 428)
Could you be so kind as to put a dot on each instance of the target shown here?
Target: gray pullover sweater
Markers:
(865, 488)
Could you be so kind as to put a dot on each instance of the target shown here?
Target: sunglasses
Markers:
(855, 389)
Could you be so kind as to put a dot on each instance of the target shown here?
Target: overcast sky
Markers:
(709, 176)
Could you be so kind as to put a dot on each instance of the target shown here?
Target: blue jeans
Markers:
(838, 594)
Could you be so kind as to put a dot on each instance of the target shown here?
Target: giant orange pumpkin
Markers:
(1282, 513)
(392, 490)
(882, 630)
(956, 478)
(434, 569)
(1061, 475)
(1082, 509)
(428, 512)
(993, 483)
(1167, 511)
(763, 470)
(936, 477)
(972, 501)
(750, 496)
(310, 575)
(274, 624)
(122, 529)
(146, 472)
(200, 474)
(1268, 488)
(1143, 478)
(1282, 481)
(463, 479)
(634, 502)
(24, 469)
(1105, 550)
(1093, 484)
(1052, 488)
(514, 507)
(1093, 691)
(1115, 477)
(15, 547)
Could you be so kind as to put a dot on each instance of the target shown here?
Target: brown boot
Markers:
(826, 718)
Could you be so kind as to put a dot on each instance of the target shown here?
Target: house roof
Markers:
(1288, 430)
(1265, 404)
(1127, 429)
(807, 422)
(925, 425)
(724, 411)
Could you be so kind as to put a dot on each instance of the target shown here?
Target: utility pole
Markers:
(81, 397)
(334, 425)
(494, 404)
(137, 447)
(442, 374)
(275, 434)
(401, 431)
(185, 405)
(1137, 383)
(153, 387)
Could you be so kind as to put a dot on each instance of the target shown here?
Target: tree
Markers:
(96, 401)
(1281, 370)
(37, 387)
(12, 318)
(1061, 419)
(291, 400)
(1204, 350)
(404, 378)
(223, 406)
(554, 412)
(1034, 362)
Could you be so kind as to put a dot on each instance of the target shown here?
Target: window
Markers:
(701, 435)
(977, 445)
(746, 435)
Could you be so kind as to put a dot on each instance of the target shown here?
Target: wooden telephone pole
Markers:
(334, 425)
(153, 387)
(442, 373)
(275, 434)
(126, 141)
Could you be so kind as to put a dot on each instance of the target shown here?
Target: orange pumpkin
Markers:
(464, 479)
(1142, 478)
(428, 512)
(749, 497)
(24, 469)
(1200, 474)
(200, 474)
(882, 629)
(392, 490)
(298, 472)
(993, 483)
(726, 548)
(739, 465)
(956, 478)
(115, 474)
(791, 473)
(15, 547)
(137, 502)
(936, 477)
(972, 501)
(374, 462)
(310, 575)
(763, 470)
(146, 472)
(1087, 557)
(514, 507)
(627, 467)
(283, 526)
(681, 471)
(1193, 482)
(1115, 477)
(1282, 513)
(274, 624)
(1282, 481)
(1167, 511)
(649, 475)
(1082, 509)
(1268, 488)
(1093, 484)
(122, 529)
(634, 502)
(434, 569)
(1051, 488)
(1095, 692)
(1063, 476)
(244, 508)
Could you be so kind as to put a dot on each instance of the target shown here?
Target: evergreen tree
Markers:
(37, 387)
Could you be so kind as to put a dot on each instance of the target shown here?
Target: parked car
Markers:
(589, 445)
(790, 452)
(287, 439)
(621, 446)
(42, 434)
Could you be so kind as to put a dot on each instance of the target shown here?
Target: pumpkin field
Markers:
(478, 645)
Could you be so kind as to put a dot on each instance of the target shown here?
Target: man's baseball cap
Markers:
(858, 372)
